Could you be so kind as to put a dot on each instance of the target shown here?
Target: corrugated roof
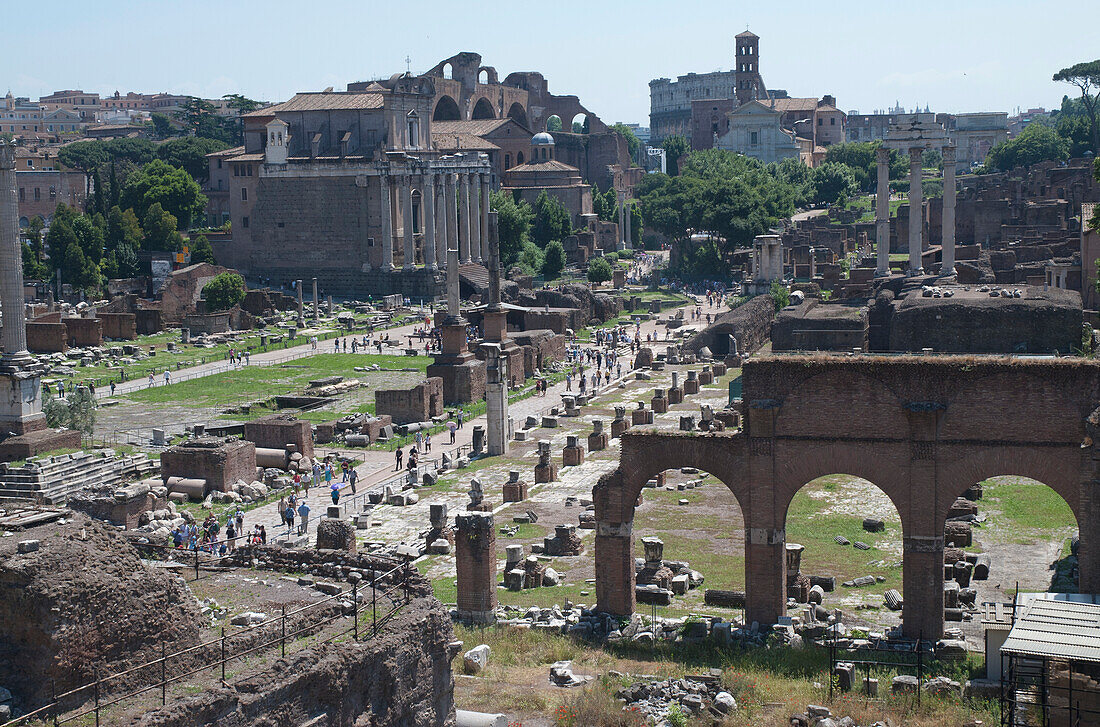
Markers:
(323, 101)
(1058, 629)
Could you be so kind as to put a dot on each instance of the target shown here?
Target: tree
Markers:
(33, 269)
(1034, 144)
(553, 124)
(1086, 77)
(162, 126)
(514, 220)
(675, 146)
(83, 155)
(553, 261)
(780, 295)
(530, 259)
(76, 269)
(551, 220)
(89, 232)
(632, 141)
(833, 181)
(99, 197)
(123, 229)
(862, 159)
(200, 118)
(189, 154)
(223, 292)
(77, 413)
(160, 230)
(201, 252)
(171, 187)
(599, 270)
(636, 224)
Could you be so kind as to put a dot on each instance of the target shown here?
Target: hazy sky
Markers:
(966, 55)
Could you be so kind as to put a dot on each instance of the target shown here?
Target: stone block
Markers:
(596, 442)
(675, 395)
(28, 546)
(336, 511)
(515, 491)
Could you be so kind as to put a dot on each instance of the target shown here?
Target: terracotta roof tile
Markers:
(322, 101)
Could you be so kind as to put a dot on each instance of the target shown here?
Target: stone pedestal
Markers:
(598, 439)
(336, 534)
(570, 404)
(641, 415)
(573, 454)
(462, 372)
(440, 525)
(514, 489)
(545, 470)
(691, 385)
(675, 395)
(659, 402)
(475, 561)
(706, 376)
(620, 423)
(719, 369)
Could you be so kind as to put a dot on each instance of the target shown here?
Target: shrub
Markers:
(223, 292)
(553, 261)
(599, 270)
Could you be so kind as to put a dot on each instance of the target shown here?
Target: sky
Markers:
(966, 55)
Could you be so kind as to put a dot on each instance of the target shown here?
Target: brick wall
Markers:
(418, 403)
(83, 332)
(219, 462)
(47, 337)
(278, 430)
(121, 326)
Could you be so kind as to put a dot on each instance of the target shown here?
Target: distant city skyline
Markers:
(954, 57)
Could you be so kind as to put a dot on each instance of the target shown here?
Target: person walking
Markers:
(335, 493)
(289, 518)
(353, 477)
(303, 514)
(282, 509)
(167, 377)
(450, 428)
(152, 382)
(427, 441)
(461, 416)
(399, 454)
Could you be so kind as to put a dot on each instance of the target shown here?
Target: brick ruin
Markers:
(213, 462)
(419, 403)
(923, 430)
(277, 431)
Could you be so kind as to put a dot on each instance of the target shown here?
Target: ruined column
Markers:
(441, 240)
(316, 304)
(922, 584)
(882, 213)
(916, 212)
(454, 316)
(484, 215)
(627, 238)
(450, 192)
(407, 221)
(427, 206)
(14, 337)
(301, 307)
(476, 565)
(464, 217)
(948, 222)
(475, 219)
(614, 567)
(496, 399)
(621, 245)
(387, 222)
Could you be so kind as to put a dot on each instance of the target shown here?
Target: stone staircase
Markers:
(53, 480)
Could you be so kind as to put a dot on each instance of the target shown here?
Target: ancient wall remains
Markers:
(418, 403)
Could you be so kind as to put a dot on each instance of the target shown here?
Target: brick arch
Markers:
(446, 110)
(977, 411)
(483, 109)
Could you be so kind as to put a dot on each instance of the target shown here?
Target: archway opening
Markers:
(483, 76)
(517, 113)
(554, 123)
(689, 534)
(483, 110)
(448, 71)
(850, 533)
(580, 123)
(446, 110)
(1006, 534)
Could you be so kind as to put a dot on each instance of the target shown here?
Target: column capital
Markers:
(915, 152)
(882, 155)
(949, 153)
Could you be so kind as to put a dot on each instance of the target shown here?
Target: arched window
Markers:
(412, 139)
(519, 157)
(507, 161)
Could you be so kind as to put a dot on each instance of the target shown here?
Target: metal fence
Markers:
(96, 696)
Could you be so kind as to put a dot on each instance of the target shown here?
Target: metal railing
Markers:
(228, 648)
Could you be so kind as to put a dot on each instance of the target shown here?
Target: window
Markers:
(832, 121)
(22, 195)
(244, 194)
(821, 122)
(753, 138)
(244, 222)
(250, 170)
(37, 194)
(30, 164)
(507, 161)
(219, 164)
(236, 171)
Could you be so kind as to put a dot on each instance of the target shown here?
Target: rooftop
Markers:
(1057, 629)
(322, 101)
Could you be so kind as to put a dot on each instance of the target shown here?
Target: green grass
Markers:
(1026, 505)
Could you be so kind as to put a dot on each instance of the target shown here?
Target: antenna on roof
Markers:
(408, 65)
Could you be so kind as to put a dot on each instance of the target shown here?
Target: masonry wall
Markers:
(84, 332)
(278, 430)
(749, 323)
(47, 337)
(220, 463)
(416, 404)
(119, 326)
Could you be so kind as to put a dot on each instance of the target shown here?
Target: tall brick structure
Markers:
(923, 429)
(476, 563)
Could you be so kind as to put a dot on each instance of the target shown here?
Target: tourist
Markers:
(568, 381)
(427, 441)
(450, 428)
(328, 473)
(112, 388)
(152, 382)
(230, 532)
(303, 513)
(461, 416)
(353, 477)
(289, 518)
(316, 475)
(240, 520)
(335, 493)
(247, 357)
(282, 509)
(263, 535)
(419, 439)
(399, 454)
(167, 377)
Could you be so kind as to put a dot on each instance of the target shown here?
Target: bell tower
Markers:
(749, 83)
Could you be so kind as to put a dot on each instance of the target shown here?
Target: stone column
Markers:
(453, 315)
(627, 241)
(882, 213)
(316, 305)
(407, 221)
(14, 338)
(916, 212)
(464, 218)
(476, 565)
(387, 222)
(484, 216)
(766, 570)
(948, 221)
(427, 217)
(301, 307)
(621, 245)
(615, 567)
(496, 399)
(450, 192)
(441, 240)
(475, 220)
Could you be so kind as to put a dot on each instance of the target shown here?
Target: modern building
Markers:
(21, 116)
(85, 105)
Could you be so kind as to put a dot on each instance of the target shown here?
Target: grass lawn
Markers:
(1027, 505)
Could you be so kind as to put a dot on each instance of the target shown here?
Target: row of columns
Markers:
(454, 208)
(916, 216)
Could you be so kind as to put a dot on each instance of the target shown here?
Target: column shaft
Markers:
(441, 240)
(475, 219)
(407, 221)
(14, 337)
(464, 218)
(916, 212)
(615, 570)
(452, 283)
(387, 223)
(627, 237)
(484, 216)
(427, 214)
(882, 213)
(948, 219)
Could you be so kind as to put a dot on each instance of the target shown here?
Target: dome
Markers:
(542, 139)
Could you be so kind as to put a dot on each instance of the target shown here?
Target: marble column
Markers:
(407, 221)
(427, 218)
(882, 213)
(621, 245)
(948, 221)
(484, 217)
(453, 314)
(14, 336)
(316, 305)
(475, 220)
(627, 241)
(450, 193)
(916, 212)
(464, 218)
(386, 203)
(441, 240)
